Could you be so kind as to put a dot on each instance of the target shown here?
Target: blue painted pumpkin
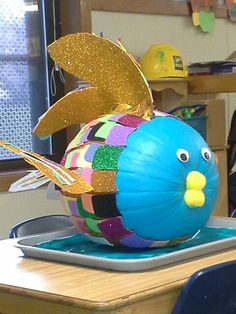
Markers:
(155, 182)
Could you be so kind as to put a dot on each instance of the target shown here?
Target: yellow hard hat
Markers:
(161, 61)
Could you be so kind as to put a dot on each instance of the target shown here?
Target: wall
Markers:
(139, 31)
(16, 207)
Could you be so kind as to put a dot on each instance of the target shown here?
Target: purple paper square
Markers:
(89, 155)
(74, 208)
(131, 121)
(136, 242)
(84, 137)
(118, 135)
(113, 230)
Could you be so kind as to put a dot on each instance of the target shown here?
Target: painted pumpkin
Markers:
(129, 178)
(151, 187)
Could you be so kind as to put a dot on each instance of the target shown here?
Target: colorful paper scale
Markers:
(94, 154)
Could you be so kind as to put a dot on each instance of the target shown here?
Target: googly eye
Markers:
(206, 154)
(182, 155)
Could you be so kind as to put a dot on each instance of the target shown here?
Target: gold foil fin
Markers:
(68, 180)
(143, 111)
(122, 108)
(103, 64)
(76, 107)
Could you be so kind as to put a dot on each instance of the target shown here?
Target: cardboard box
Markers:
(221, 207)
(216, 131)
(215, 112)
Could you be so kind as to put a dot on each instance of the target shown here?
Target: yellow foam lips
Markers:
(68, 180)
(104, 65)
(195, 183)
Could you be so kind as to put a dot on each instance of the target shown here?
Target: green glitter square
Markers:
(106, 157)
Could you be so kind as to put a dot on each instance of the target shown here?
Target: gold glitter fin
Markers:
(103, 64)
(141, 110)
(122, 108)
(68, 180)
(76, 107)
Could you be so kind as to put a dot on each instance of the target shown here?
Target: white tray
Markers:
(27, 245)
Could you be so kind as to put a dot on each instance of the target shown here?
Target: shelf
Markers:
(203, 84)
(178, 85)
(199, 84)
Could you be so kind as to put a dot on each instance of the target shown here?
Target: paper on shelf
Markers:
(31, 181)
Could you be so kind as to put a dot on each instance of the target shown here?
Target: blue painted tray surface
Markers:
(69, 247)
(80, 244)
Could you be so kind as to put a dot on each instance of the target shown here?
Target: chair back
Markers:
(211, 290)
(41, 224)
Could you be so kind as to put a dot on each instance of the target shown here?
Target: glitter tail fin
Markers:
(69, 181)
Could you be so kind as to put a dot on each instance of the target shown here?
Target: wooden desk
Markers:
(30, 286)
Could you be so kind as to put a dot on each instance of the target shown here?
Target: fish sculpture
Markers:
(130, 177)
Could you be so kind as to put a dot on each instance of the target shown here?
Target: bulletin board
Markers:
(84, 8)
(168, 7)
